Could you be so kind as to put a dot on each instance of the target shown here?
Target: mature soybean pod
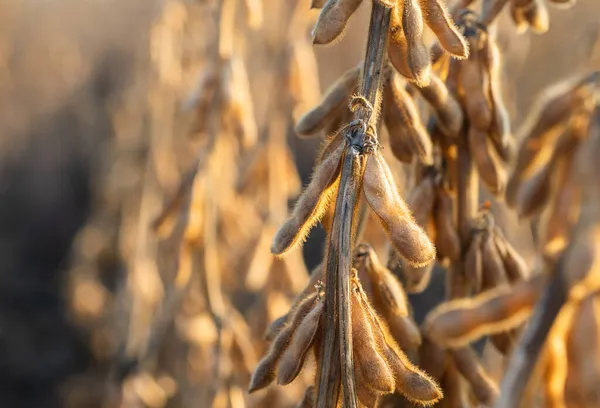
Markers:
(381, 194)
(333, 19)
(473, 82)
(335, 100)
(490, 169)
(418, 55)
(440, 21)
(445, 107)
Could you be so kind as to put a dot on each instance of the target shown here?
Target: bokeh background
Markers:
(91, 91)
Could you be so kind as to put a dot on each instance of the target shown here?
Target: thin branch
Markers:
(339, 250)
(529, 347)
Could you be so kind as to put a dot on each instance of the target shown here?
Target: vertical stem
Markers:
(338, 327)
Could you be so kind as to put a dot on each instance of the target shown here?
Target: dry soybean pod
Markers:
(403, 108)
(335, 99)
(381, 194)
(474, 83)
(440, 21)
(311, 205)
(333, 19)
(264, 373)
(418, 59)
(514, 264)
(410, 381)
(473, 263)
(490, 169)
(293, 357)
(369, 364)
(482, 385)
(445, 107)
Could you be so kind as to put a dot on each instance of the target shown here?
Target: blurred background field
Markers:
(94, 140)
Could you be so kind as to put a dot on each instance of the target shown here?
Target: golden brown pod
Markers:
(544, 125)
(433, 359)
(369, 364)
(447, 239)
(333, 102)
(454, 396)
(499, 130)
(535, 192)
(410, 381)
(398, 50)
(333, 19)
(381, 194)
(473, 82)
(422, 199)
(489, 167)
(264, 373)
(445, 107)
(482, 385)
(293, 357)
(418, 59)
(514, 264)
(404, 124)
(311, 205)
(493, 270)
(440, 21)
(459, 322)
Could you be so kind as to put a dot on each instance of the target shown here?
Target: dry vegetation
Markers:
(150, 154)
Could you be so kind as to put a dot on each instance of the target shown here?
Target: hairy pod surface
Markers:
(482, 385)
(293, 357)
(440, 21)
(410, 381)
(311, 205)
(335, 99)
(381, 194)
(264, 373)
(404, 124)
(488, 165)
(462, 321)
(422, 199)
(418, 59)
(445, 107)
(333, 19)
(474, 82)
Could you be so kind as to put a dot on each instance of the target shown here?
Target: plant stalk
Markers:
(338, 326)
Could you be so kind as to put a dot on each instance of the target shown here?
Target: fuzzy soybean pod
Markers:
(422, 199)
(433, 359)
(447, 239)
(369, 364)
(311, 205)
(335, 100)
(293, 357)
(544, 126)
(409, 380)
(514, 264)
(264, 373)
(390, 300)
(473, 82)
(488, 165)
(333, 19)
(404, 124)
(462, 321)
(440, 21)
(493, 270)
(381, 194)
(446, 108)
(482, 385)
(535, 192)
(418, 59)
(398, 46)
(499, 130)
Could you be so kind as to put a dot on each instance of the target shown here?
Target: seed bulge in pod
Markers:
(333, 19)
(381, 194)
(441, 23)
